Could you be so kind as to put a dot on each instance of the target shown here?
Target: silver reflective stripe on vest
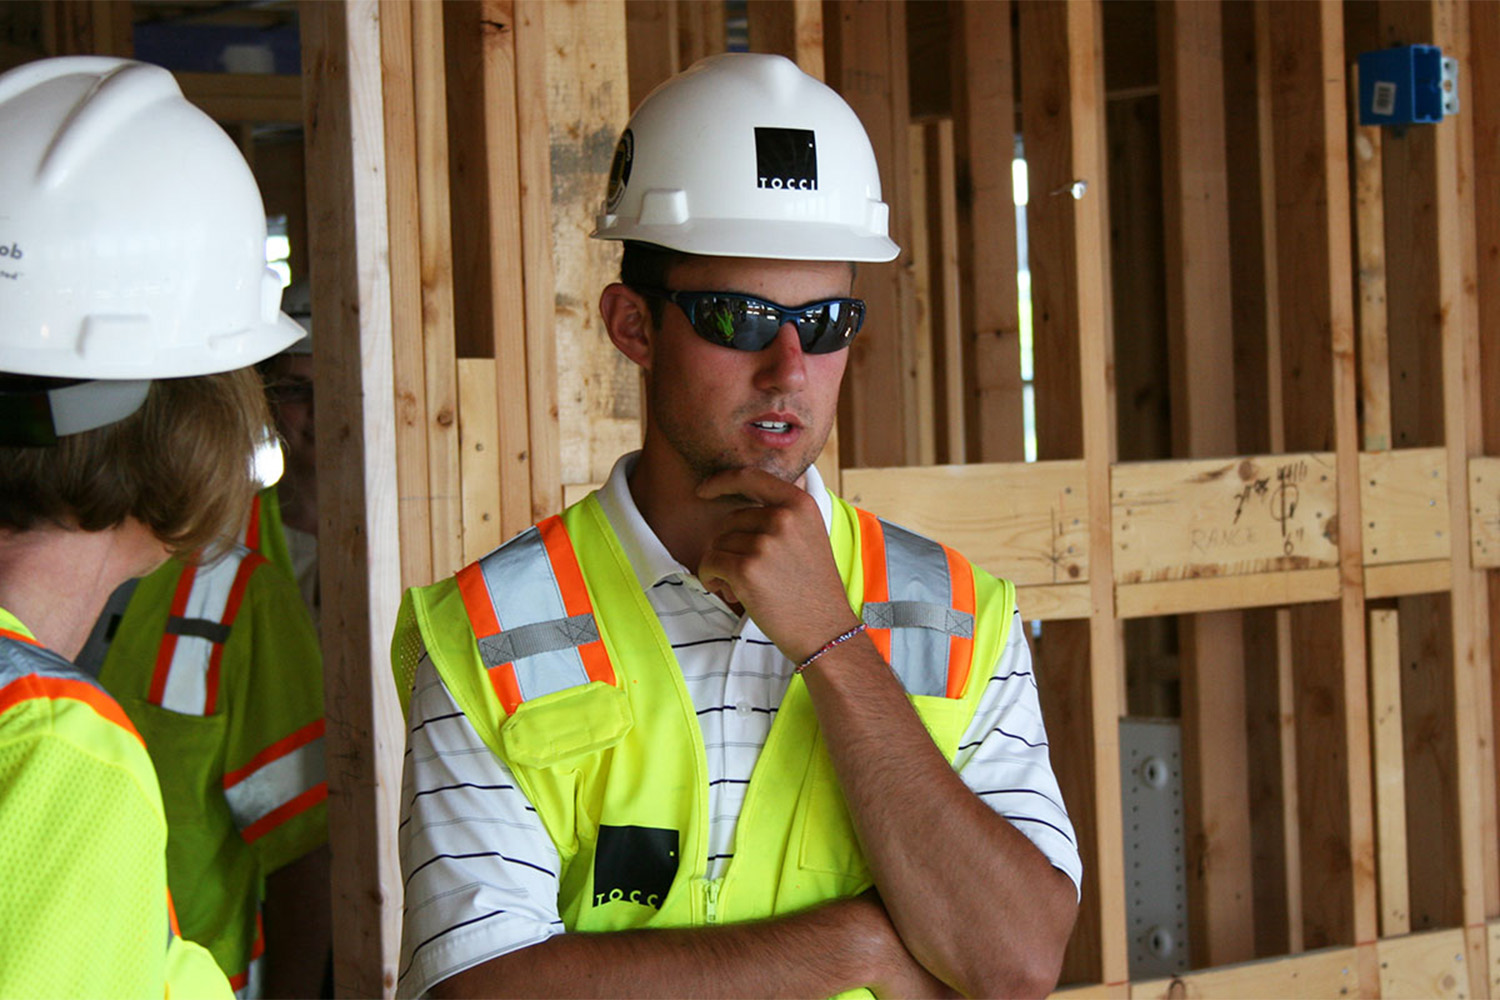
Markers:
(920, 613)
(536, 635)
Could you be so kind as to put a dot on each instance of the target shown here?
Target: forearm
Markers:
(973, 899)
(818, 952)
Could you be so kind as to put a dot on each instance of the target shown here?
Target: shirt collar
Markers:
(648, 556)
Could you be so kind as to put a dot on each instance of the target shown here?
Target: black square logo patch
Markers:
(786, 159)
(635, 864)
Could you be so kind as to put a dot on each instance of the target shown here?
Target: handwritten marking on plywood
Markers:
(1404, 503)
(1423, 966)
(1484, 511)
(1027, 522)
(1223, 517)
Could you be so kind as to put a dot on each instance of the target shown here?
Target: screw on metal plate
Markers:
(1076, 188)
(1155, 772)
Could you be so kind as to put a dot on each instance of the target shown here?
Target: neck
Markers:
(56, 580)
(298, 496)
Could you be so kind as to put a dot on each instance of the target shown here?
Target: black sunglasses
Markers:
(746, 323)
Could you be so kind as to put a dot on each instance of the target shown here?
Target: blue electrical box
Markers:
(1407, 85)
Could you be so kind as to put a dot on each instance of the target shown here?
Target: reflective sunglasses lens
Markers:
(735, 321)
(830, 327)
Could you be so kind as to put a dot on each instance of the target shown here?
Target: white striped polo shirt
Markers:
(480, 871)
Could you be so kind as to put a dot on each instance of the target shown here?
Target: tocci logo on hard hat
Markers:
(786, 159)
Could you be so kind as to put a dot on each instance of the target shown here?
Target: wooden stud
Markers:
(650, 44)
(1313, 271)
(479, 440)
(1063, 126)
(508, 303)
(360, 569)
(984, 111)
(1463, 435)
(1330, 973)
(1369, 229)
(1405, 507)
(1390, 771)
(792, 28)
(599, 406)
(1431, 965)
(700, 31)
(924, 403)
(866, 64)
(534, 154)
(403, 214)
(944, 295)
(436, 289)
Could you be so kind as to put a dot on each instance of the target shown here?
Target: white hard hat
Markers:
(745, 155)
(132, 234)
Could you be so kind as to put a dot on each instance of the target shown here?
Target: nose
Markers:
(782, 364)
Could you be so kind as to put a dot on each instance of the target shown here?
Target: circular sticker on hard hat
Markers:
(619, 171)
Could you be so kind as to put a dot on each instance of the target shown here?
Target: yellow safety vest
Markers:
(84, 908)
(551, 649)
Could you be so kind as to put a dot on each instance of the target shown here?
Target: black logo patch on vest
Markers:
(635, 864)
(786, 159)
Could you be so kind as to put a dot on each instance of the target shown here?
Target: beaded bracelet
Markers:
(856, 630)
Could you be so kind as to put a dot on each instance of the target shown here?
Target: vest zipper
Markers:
(711, 899)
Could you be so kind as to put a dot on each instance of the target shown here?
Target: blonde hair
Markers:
(181, 465)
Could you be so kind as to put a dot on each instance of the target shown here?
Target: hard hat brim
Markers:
(778, 240)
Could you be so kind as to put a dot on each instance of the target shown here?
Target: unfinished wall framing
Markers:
(1265, 376)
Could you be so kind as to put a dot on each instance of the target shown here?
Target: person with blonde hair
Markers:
(134, 298)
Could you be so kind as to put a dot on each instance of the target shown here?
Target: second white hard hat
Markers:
(745, 155)
(133, 232)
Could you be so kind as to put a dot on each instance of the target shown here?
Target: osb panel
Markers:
(1422, 966)
(1404, 505)
(1316, 975)
(1217, 518)
(1484, 511)
(1027, 522)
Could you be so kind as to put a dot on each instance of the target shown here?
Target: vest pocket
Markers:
(829, 843)
(568, 723)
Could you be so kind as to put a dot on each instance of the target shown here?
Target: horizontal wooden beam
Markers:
(244, 97)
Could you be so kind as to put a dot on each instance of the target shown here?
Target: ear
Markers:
(627, 318)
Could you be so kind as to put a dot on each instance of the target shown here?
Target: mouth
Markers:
(773, 426)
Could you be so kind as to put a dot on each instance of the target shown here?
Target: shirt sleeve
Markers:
(480, 870)
(274, 771)
(1003, 758)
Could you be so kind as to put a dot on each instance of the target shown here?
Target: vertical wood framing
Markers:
(360, 569)
(866, 64)
(1369, 230)
(479, 433)
(984, 113)
(1390, 771)
(943, 293)
(1484, 37)
(925, 281)
(792, 28)
(1317, 342)
(651, 45)
(1463, 436)
(1200, 325)
(436, 289)
(534, 140)
(700, 31)
(586, 99)
(511, 460)
(409, 360)
(1063, 129)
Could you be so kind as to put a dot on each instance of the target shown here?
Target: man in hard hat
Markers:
(713, 731)
(133, 301)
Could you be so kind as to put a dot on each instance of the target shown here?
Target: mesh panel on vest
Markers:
(83, 899)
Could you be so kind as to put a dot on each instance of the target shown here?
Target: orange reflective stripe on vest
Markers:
(532, 618)
(919, 607)
(204, 607)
